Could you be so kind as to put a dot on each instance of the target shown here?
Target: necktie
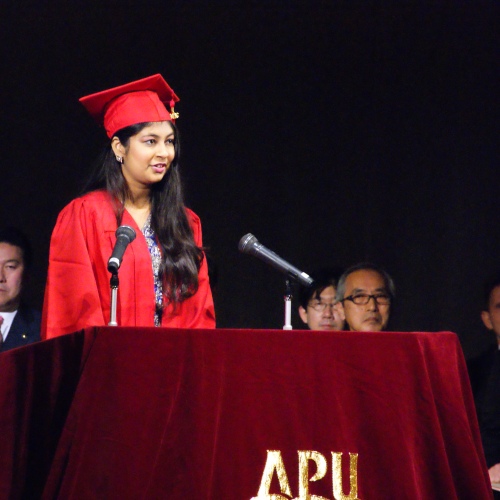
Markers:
(1, 336)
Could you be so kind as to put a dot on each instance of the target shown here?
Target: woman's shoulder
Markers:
(195, 223)
(100, 197)
(93, 199)
(192, 217)
(95, 204)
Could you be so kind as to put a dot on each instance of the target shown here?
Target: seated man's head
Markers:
(365, 292)
(15, 258)
(491, 308)
(317, 303)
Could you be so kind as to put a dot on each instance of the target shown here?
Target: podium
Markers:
(239, 414)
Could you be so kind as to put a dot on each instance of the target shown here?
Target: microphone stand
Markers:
(288, 306)
(113, 283)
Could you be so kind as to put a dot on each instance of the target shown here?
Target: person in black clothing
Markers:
(485, 380)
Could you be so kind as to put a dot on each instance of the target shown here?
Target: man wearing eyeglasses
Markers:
(317, 303)
(364, 294)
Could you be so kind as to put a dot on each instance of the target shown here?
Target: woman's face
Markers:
(148, 155)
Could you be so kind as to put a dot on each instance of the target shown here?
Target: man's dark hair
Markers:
(15, 237)
(489, 285)
(323, 278)
(388, 281)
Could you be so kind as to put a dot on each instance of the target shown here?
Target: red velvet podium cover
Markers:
(239, 414)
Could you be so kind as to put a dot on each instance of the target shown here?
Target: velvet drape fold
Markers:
(239, 414)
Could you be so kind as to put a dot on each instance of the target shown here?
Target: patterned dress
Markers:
(154, 250)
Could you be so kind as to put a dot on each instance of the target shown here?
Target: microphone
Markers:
(249, 244)
(124, 236)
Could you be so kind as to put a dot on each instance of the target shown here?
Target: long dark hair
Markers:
(181, 258)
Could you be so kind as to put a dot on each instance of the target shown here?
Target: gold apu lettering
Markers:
(275, 464)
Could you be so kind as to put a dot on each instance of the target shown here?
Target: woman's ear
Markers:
(117, 146)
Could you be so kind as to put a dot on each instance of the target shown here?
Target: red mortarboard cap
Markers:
(135, 102)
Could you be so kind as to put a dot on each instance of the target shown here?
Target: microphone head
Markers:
(247, 243)
(126, 231)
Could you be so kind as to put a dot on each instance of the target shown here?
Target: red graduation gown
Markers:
(77, 292)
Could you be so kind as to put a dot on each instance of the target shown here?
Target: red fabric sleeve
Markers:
(71, 296)
(205, 312)
(197, 311)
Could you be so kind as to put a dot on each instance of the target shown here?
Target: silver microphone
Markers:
(249, 244)
(124, 236)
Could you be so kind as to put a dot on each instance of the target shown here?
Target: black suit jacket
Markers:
(25, 329)
(485, 380)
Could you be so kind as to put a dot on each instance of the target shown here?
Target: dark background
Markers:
(335, 132)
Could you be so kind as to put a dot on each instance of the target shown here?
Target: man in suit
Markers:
(365, 293)
(19, 324)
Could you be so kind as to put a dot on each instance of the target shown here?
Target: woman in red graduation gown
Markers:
(163, 277)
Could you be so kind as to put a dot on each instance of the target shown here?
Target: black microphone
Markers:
(250, 244)
(124, 236)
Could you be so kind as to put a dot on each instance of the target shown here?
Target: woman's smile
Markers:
(159, 168)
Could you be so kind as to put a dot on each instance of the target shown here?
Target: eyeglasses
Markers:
(321, 306)
(361, 299)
